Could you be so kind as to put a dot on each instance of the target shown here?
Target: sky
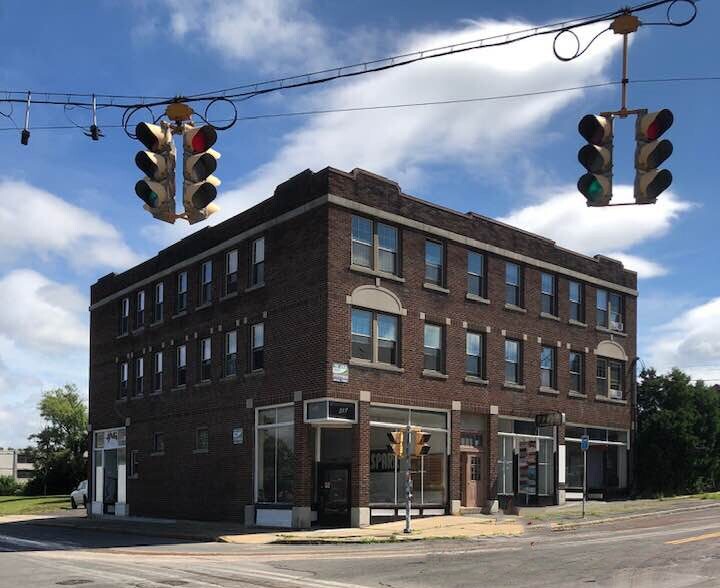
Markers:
(70, 214)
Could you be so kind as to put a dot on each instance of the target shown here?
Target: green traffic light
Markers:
(146, 194)
(590, 186)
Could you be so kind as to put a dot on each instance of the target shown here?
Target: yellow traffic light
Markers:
(397, 443)
(421, 443)
(199, 163)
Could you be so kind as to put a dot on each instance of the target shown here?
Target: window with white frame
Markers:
(140, 309)
(547, 366)
(182, 292)
(123, 389)
(275, 454)
(512, 284)
(159, 307)
(230, 360)
(181, 365)
(139, 375)
(577, 306)
(124, 316)
(158, 371)
(205, 359)
(434, 263)
(610, 377)
(434, 348)
(512, 361)
(374, 245)
(577, 368)
(206, 282)
(257, 270)
(362, 241)
(547, 294)
(374, 336)
(609, 310)
(476, 274)
(257, 350)
(231, 272)
(475, 354)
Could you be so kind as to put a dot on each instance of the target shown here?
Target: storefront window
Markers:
(505, 465)
(275, 455)
(606, 459)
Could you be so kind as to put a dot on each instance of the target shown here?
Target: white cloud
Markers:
(689, 342)
(41, 315)
(565, 218)
(270, 33)
(51, 227)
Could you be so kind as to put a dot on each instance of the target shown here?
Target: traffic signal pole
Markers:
(408, 480)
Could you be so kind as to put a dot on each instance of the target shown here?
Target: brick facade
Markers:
(303, 304)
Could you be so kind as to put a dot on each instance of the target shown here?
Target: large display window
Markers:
(275, 454)
(428, 472)
(607, 460)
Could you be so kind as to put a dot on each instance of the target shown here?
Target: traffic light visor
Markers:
(152, 136)
(653, 125)
(152, 165)
(595, 129)
(199, 167)
(594, 158)
(200, 139)
(595, 188)
(147, 194)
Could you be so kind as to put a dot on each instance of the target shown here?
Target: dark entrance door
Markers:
(334, 494)
(110, 481)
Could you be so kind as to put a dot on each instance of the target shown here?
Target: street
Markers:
(682, 549)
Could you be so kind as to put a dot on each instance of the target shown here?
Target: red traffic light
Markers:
(653, 125)
(200, 139)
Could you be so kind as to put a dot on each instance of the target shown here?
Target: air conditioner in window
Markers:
(616, 326)
(616, 394)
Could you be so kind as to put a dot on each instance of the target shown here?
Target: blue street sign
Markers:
(584, 442)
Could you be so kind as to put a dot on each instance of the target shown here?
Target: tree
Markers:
(678, 442)
(9, 486)
(60, 447)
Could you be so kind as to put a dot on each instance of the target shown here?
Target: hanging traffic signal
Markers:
(596, 158)
(200, 161)
(650, 153)
(421, 443)
(157, 188)
(397, 444)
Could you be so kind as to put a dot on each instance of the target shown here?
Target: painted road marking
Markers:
(695, 538)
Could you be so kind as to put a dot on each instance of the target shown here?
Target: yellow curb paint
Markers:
(691, 539)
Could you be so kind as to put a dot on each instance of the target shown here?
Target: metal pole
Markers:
(408, 481)
(623, 105)
(584, 480)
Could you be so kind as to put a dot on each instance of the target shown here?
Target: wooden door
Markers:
(473, 479)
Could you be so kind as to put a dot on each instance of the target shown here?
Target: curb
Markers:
(567, 526)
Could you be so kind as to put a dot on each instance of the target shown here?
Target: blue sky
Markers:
(70, 212)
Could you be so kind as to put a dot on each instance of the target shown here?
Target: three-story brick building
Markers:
(252, 370)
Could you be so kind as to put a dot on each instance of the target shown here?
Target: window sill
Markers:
(155, 393)
(178, 388)
(376, 273)
(434, 375)
(228, 378)
(203, 383)
(254, 373)
(255, 287)
(513, 386)
(122, 335)
(157, 453)
(435, 288)
(385, 367)
(179, 314)
(136, 397)
(476, 380)
(121, 399)
(514, 308)
(156, 323)
(602, 398)
(548, 390)
(610, 331)
(138, 330)
(574, 394)
(199, 451)
(577, 323)
(476, 298)
(547, 315)
(228, 296)
(204, 306)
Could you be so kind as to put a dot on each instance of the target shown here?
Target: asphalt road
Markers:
(674, 550)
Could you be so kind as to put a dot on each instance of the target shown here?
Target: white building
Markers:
(16, 463)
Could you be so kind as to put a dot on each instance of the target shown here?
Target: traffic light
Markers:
(199, 163)
(650, 153)
(157, 188)
(397, 444)
(596, 158)
(421, 443)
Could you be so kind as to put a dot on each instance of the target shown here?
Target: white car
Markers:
(79, 495)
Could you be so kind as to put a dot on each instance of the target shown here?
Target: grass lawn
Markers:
(19, 505)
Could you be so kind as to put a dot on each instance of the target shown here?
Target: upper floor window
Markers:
(201, 439)
(374, 245)
(577, 367)
(181, 366)
(139, 375)
(433, 348)
(609, 378)
(575, 295)
(257, 275)
(476, 274)
(547, 367)
(231, 271)
(140, 309)
(512, 284)
(159, 301)
(158, 371)
(609, 310)
(512, 361)
(257, 335)
(374, 336)
(547, 290)
(124, 316)
(205, 359)
(158, 443)
(230, 363)
(123, 390)
(475, 354)
(434, 263)
(182, 293)
(206, 282)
